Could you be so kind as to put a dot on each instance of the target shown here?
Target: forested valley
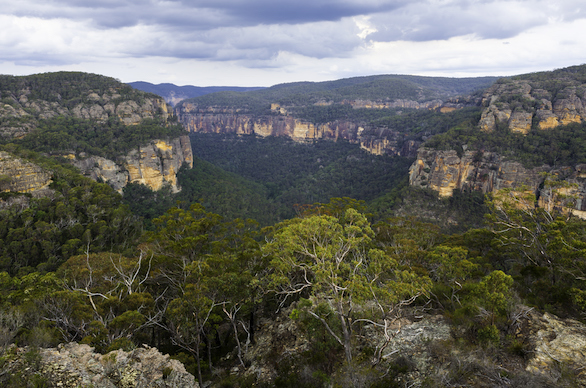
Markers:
(286, 264)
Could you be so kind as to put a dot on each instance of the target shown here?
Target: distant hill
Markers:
(380, 88)
(173, 93)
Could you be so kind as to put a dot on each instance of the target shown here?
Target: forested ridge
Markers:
(73, 112)
(322, 238)
(374, 88)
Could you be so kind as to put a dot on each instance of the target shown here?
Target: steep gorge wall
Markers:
(26, 112)
(27, 101)
(532, 102)
(228, 121)
(20, 176)
(445, 171)
(154, 164)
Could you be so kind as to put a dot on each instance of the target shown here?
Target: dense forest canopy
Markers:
(109, 139)
(66, 88)
(268, 178)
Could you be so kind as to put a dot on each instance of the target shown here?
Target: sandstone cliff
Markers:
(30, 102)
(26, 111)
(281, 123)
(444, 171)
(154, 164)
(535, 102)
(17, 175)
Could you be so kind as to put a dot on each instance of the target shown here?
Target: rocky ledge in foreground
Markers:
(74, 365)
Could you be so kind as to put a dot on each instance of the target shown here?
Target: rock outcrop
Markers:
(228, 121)
(429, 348)
(445, 171)
(27, 102)
(20, 176)
(556, 344)
(154, 164)
(28, 111)
(73, 365)
(525, 104)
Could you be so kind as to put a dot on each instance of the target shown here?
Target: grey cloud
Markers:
(200, 13)
(316, 40)
(256, 31)
(485, 19)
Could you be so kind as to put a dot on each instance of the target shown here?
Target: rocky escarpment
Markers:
(378, 141)
(531, 102)
(445, 171)
(87, 113)
(73, 365)
(20, 176)
(537, 101)
(154, 164)
(22, 112)
(306, 111)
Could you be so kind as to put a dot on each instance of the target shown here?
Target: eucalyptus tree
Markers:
(332, 263)
(207, 266)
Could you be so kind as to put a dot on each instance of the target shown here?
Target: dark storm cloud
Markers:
(200, 13)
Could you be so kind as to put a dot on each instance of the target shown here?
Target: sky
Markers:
(267, 42)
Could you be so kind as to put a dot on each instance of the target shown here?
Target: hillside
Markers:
(382, 89)
(97, 123)
(388, 114)
(532, 127)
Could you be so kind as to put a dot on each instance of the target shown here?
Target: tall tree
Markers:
(334, 265)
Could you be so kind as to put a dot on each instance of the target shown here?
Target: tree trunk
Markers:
(197, 343)
(251, 327)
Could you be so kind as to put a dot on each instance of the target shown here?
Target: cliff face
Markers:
(29, 102)
(19, 105)
(531, 102)
(444, 171)
(17, 175)
(153, 164)
(523, 104)
(231, 121)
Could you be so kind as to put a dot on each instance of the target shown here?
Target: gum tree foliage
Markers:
(544, 244)
(207, 267)
(114, 306)
(347, 282)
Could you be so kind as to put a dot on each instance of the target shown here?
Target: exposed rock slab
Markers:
(445, 171)
(75, 365)
(557, 344)
(154, 164)
(17, 175)
(522, 104)
(226, 121)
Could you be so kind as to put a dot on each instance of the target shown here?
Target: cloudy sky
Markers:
(265, 42)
